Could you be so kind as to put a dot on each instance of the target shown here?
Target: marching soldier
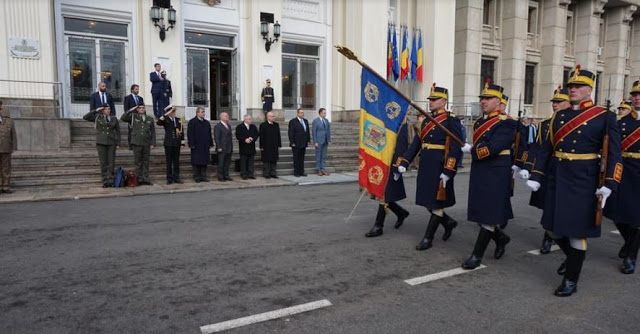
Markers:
(490, 178)
(395, 188)
(439, 156)
(559, 101)
(107, 141)
(624, 204)
(8, 144)
(143, 139)
(569, 155)
(173, 140)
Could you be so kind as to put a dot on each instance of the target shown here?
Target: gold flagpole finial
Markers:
(345, 51)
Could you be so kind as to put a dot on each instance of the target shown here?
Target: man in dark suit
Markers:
(130, 101)
(200, 141)
(157, 85)
(100, 98)
(270, 143)
(247, 135)
(173, 140)
(299, 138)
(223, 138)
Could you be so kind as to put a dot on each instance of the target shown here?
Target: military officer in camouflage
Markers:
(8, 144)
(568, 159)
(143, 140)
(439, 156)
(490, 178)
(107, 141)
(624, 205)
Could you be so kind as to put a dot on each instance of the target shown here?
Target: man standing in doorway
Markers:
(321, 138)
(100, 98)
(157, 85)
(299, 138)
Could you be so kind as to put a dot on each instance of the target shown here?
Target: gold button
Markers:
(585, 123)
(624, 124)
(623, 129)
(624, 135)
(575, 141)
(561, 122)
(561, 140)
(560, 150)
(579, 132)
(573, 150)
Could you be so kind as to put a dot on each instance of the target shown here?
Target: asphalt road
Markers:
(173, 263)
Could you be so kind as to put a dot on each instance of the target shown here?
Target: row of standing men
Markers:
(561, 168)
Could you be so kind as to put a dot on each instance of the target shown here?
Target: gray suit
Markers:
(223, 138)
(321, 132)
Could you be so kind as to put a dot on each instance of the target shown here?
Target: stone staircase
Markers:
(77, 165)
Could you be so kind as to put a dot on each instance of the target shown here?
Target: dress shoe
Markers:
(376, 231)
(267, 177)
(501, 242)
(623, 251)
(228, 179)
(546, 246)
(178, 181)
(7, 191)
(244, 178)
(169, 182)
(221, 179)
(104, 185)
(296, 175)
(320, 173)
(325, 173)
(303, 174)
(563, 268)
(252, 177)
(198, 180)
(205, 180)
(149, 183)
(472, 263)
(628, 266)
(424, 244)
(566, 288)
(449, 225)
(274, 176)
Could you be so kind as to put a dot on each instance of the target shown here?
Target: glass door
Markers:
(197, 82)
(299, 85)
(289, 83)
(308, 84)
(112, 68)
(235, 95)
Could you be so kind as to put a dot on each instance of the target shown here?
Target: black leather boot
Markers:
(628, 266)
(546, 244)
(569, 283)
(624, 232)
(427, 240)
(565, 246)
(376, 230)
(449, 224)
(400, 212)
(473, 262)
(633, 244)
(501, 240)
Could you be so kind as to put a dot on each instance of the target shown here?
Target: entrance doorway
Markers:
(220, 82)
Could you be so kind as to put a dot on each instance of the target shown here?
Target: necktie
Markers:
(324, 125)
(302, 123)
(104, 101)
(531, 131)
(174, 123)
(108, 120)
(135, 98)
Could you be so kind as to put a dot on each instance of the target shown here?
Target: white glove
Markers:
(605, 192)
(402, 169)
(396, 176)
(444, 179)
(466, 148)
(524, 174)
(533, 185)
(516, 169)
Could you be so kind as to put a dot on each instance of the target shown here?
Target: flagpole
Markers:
(352, 56)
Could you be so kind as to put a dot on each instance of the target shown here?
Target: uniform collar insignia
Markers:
(494, 114)
(586, 104)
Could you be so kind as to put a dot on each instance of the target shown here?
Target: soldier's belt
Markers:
(575, 156)
(432, 146)
(505, 152)
(632, 155)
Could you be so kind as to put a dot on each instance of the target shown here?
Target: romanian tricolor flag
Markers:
(420, 59)
(389, 54)
(382, 112)
(414, 57)
(404, 57)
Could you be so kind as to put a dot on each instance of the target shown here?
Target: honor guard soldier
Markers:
(395, 187)
(624, 203)
(439, 157)
(173, 140)
(107, 140)
(578, 181)
(143, 139)
(559, 101)
(490, 177)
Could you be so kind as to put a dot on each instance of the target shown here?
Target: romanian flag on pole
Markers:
(382, 112)
(389, 53)
(404, 58)
(420, 59)
(414, 58)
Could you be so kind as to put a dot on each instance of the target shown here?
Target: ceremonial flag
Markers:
(420, 59)
(404, 58)
(395, 68)
(382, 111)
(389, 57)
(414, 58)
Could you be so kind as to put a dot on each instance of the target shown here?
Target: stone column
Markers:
(514, 51)
(618, 19)
(467, 51)
(635, 50)
(554, 27)
(587, 29)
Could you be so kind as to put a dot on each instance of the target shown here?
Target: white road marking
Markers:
(440, 275)
(222, 326)
(615, 232)
(537, 251)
